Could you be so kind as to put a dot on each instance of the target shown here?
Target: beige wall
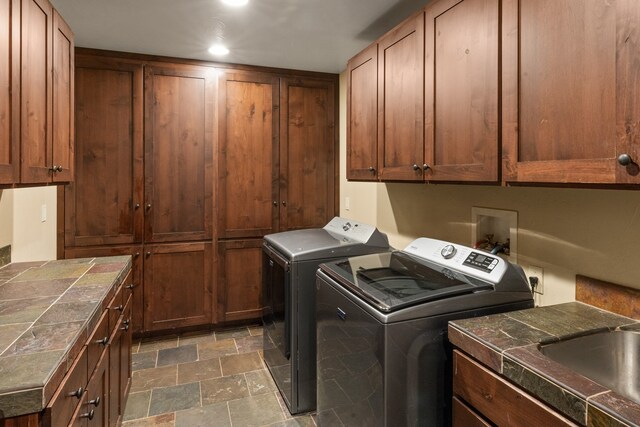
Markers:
(21, 225)
(565, 231)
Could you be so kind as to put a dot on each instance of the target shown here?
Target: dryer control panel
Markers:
(471, 262)
(353, 231)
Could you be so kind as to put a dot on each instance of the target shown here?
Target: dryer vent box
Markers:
(495, 226)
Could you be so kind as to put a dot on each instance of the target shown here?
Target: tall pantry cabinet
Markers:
(186, 168)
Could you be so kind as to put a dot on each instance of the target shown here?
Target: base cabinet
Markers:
(481, 397)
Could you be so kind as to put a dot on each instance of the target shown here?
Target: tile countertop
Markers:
(47, 310)
(508, 344)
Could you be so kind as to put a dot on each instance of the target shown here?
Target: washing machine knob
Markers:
(448, 251)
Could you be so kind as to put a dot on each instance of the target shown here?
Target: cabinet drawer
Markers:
(127, 286)
(463, 416)
(97, 342)
(97, 399)
(115, 308)
(499, 401)
(70, 393)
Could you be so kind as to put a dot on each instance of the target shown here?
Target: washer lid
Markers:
(391, 281)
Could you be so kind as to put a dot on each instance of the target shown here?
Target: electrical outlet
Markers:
(533, 271)
(347, 203)
(43, 213)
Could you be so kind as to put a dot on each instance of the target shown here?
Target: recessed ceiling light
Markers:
(218, 50)
(235, 3)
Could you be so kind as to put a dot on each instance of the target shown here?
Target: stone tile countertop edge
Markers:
(47, 311)
(508, 344)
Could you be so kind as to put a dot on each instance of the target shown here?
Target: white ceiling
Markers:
(316, 35)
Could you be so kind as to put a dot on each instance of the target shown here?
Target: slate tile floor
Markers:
(214, 379)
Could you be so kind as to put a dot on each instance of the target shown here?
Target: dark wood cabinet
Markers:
(46, 95)
(119, 364)
(9, 91)
(400, 101)
(178, 285)
(98, 394)
(248, 154)
(240, 279)
(362, 115)
(461, 91)
(308, 168)
(104, 204)
(570, 103)
(179, 175)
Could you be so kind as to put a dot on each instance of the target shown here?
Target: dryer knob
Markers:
(448, 251)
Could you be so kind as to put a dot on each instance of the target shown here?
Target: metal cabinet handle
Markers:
(95, 402)
(372, 169)
(77, 393)
(136, 255)
(284, 203)
(125, 328)
(131, 286)
(426, 167)
(275, 203)
(416, 167)
(88, 415)
(103, 341)
(148, 206)
(55, 168)
(625, 160)
(148, 253)
(137, 206)
(119, 308)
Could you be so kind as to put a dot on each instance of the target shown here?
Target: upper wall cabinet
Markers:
(104, 204)
(9, 91)
(36, 94)
(400, 101)
(362, 115)
(461, 91)
(46, 96)
(571, 104)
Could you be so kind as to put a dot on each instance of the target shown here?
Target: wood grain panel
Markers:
(9, 91)
(36, 91)
(179, 117)
(307, 153)
(498, 400)
(608, 296)
(248, 156)
(400, 101)
(177, 285)
(463, 416)
(362, 115)
(63, 144)
(109, 146)
(240, 280)
(461, 91)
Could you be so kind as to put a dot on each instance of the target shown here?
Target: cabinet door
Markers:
(570, 99)
(115, 366)
(240, 279)
(179, 118)
(36, 92)
(9, 91)
(400, 102)
(362, 115)
(177, 285)
(307, 153)
(63, 112)
(136, 274)
(98, 394)
(103, 205)
(461, 91)
(248, 154)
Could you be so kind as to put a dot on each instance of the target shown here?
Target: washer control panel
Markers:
(459, 258)
(350, 231)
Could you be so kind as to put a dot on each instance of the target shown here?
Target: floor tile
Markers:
(198, 371)
(135, 346)
(255, 331)
(260, 382)
(158, 344)
(165, 420)
(195, 338)
(137, 405)
(143, 360)
(255, 410)
(239, 363)
(173, 356)
(147, 379)
(301, 421)
(249, 344)
(223, 388)
(174, 398)
(232, 333)
(216, 414)
(209, 350)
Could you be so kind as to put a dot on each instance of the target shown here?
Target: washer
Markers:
(290, 261)
(383, 357)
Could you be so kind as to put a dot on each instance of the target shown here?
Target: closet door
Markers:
(9, 91)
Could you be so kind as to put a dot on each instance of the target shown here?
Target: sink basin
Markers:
(611, 359)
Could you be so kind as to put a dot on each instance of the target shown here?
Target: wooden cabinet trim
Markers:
(62, 405)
